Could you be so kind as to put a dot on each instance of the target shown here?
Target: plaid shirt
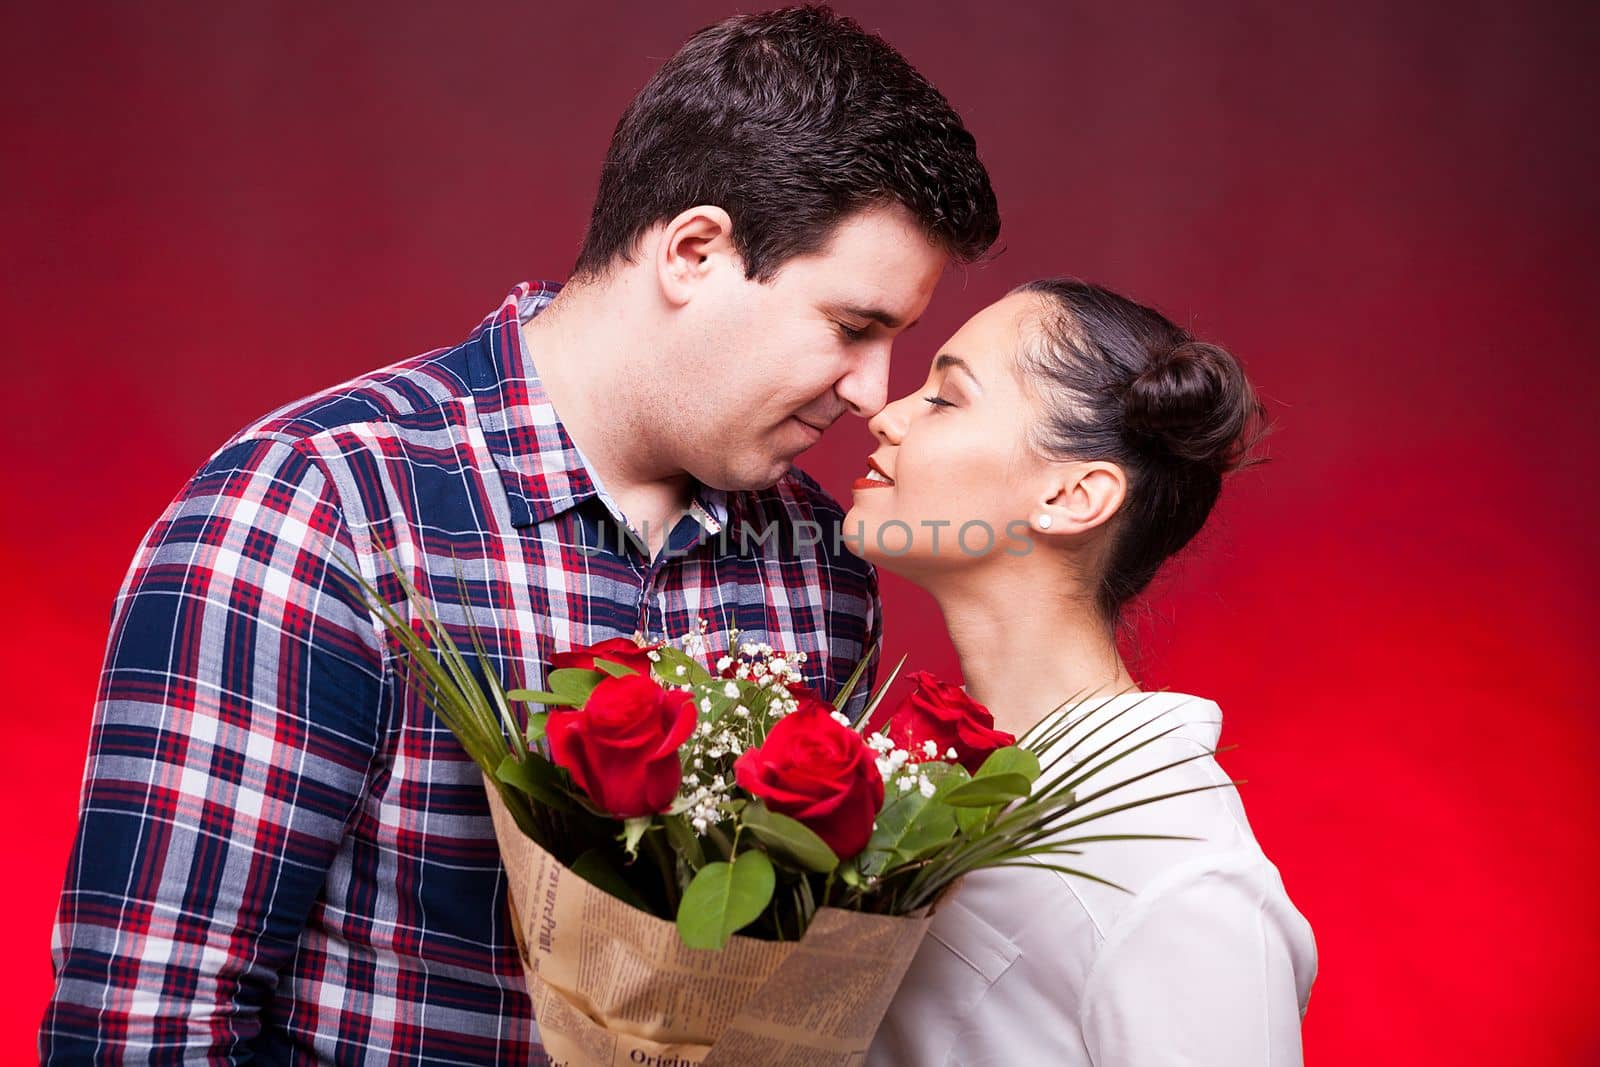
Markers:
(282, 855)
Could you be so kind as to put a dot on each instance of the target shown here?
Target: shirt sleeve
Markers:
(1209, 969)
(234, 729)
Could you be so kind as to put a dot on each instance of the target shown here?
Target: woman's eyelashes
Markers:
(938, 402)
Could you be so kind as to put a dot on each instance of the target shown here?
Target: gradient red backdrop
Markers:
(1388, 213)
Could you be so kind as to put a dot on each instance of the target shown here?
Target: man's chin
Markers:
(756, 475)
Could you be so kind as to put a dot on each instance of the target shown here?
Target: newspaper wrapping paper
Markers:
(613, 986)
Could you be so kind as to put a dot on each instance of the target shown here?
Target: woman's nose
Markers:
(889, 424)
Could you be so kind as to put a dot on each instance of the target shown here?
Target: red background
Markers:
(1388, 214)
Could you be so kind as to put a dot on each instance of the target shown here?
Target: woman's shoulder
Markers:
(1153, 802)
(1127, 717)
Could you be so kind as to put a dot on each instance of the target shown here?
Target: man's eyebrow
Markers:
(878, 315)
(945, 359)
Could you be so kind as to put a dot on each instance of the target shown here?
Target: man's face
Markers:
(778, 362)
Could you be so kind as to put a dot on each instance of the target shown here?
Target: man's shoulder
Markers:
(408, 390)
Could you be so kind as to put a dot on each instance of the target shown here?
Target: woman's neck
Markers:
(1022, 654)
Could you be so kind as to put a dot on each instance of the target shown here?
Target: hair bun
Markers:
(1194, 404)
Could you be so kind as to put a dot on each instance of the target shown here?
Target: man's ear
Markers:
(691, 247)
(1079, 497)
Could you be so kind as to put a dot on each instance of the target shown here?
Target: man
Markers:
(282, 854)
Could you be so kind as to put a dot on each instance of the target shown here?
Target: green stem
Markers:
(668, 868)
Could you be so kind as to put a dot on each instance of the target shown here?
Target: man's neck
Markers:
(586, 351)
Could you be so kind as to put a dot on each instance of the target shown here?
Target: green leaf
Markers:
(508, 721)
(909, 824)
(724, 898)
(536, 727)
(632, 830)
(537, 696)
(877, 698)
(1010, 760)
(789, 839)
(572, 685)
(972, 821)
(535, 776)
(684, 842)
(843, 696)
(945, 776)
(616, 670)
(593, 867)
(988, 791)
(668, 661)
(850, 876)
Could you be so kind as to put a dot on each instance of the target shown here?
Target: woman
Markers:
(1067, 442)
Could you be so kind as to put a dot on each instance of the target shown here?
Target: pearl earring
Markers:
(1044, 522)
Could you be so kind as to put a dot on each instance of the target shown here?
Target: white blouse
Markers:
(1205, 963)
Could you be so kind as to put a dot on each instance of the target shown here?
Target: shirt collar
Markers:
(543, 471)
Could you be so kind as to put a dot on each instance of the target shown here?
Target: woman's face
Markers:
(953, 478)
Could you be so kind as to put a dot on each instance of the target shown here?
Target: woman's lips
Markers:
(885, 482)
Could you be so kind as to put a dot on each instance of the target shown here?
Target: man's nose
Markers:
(865, 387)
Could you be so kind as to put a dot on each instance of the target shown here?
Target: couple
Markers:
(282, 856)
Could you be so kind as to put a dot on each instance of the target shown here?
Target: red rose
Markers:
(822, 773)
(942, 713)
(622, 745)
(623, 650)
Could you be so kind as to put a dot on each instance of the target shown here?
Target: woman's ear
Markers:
(1080, 497)
(690, 247)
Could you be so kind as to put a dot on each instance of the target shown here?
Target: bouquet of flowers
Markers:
(709, 862)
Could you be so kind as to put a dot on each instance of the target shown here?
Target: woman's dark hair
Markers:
(1119, 382)
(789, 121)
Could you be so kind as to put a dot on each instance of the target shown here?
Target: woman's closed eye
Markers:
(938, 402)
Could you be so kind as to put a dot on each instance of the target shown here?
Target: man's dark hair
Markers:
(789, 121)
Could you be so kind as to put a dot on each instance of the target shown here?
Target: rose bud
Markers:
(943, 714)
(621, 747)
(813, 769)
